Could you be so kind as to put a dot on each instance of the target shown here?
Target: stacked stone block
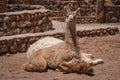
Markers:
(27, 21)
(20, 43)
(112, 11)
(3, 6)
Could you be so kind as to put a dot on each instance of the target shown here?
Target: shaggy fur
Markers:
(77, 66)
(38, 64)
(50, 57)
(41, 44)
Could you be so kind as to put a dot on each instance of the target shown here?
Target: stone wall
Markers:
(20, 43)
(108, 11)
(87, 13)
(3, 5)
(91, 11)
(112, 11)
(21, 7)
(87, 8)
(22, 22)
(116, 2)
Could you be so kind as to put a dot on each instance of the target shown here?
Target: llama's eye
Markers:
(66, 16)
(74, 17)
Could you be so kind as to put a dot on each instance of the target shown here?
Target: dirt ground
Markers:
(107, 48)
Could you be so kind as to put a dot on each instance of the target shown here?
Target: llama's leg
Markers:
(36, 65)
(91, 61)
(88, 58)
(64, 67)
(87, 55)
(97, 61)
(69, 66)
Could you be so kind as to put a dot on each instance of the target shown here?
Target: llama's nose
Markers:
(71, 20)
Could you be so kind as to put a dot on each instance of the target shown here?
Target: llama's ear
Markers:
(65, 10)
(77, 10)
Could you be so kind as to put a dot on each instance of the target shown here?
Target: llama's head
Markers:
(70, 15)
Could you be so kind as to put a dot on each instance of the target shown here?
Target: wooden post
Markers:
(100, 11)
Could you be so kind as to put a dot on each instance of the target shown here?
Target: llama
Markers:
(52, 55)
(51, 41)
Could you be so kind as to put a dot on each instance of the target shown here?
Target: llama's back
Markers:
(41, 44)
(54, 55)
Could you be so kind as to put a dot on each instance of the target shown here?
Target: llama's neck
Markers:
(70, 35)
